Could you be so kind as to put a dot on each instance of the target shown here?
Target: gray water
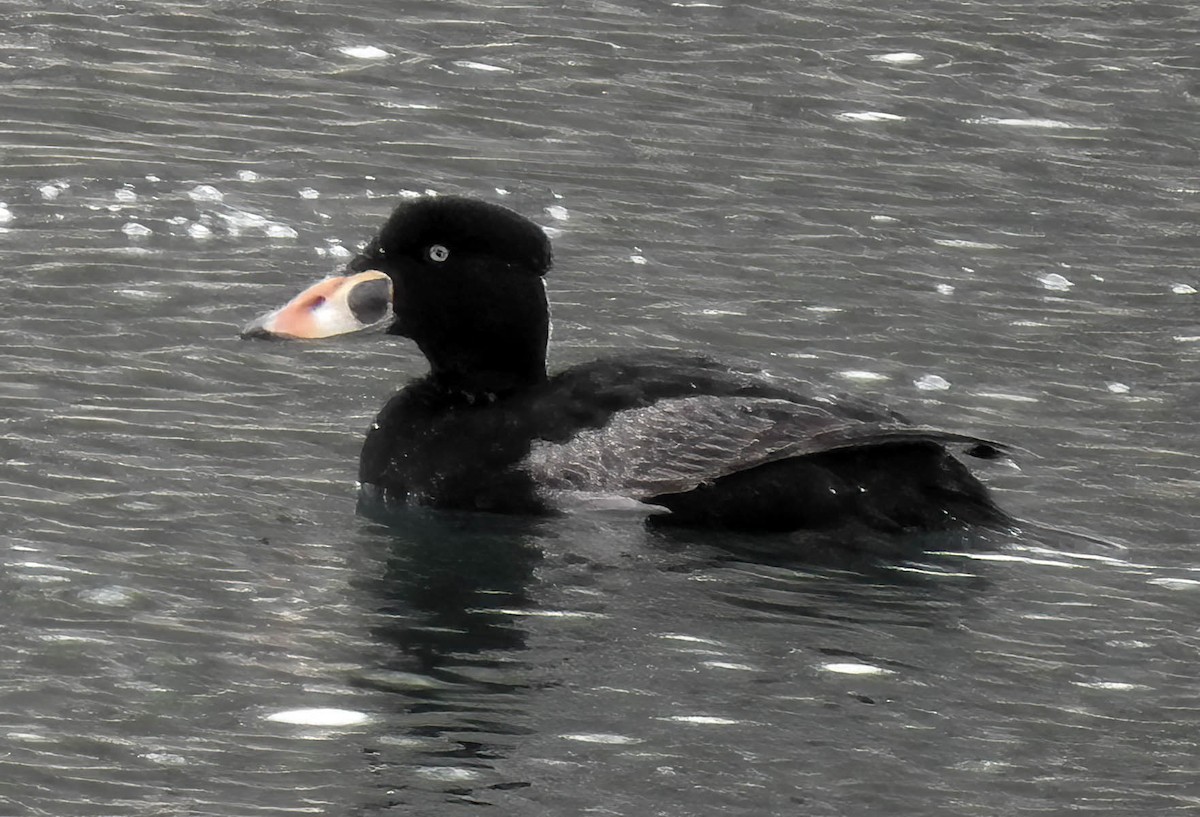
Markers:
(983, 213)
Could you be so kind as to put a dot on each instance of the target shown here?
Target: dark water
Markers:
(985, 213)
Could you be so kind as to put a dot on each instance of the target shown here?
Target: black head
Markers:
(467, 226)
(467, 287)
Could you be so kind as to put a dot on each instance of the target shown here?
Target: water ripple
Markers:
(873, 196)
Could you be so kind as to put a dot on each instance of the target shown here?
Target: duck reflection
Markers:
(473, 654)
(453, 586)
(450, 599)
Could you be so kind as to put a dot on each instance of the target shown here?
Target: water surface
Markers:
(983, 214)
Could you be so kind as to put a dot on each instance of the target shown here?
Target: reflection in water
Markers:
(851, 548)
(447, 581)
(456, 600)
(450, 597)
(822, 579)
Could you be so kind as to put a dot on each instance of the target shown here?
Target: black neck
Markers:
(484, 385)
(485, 339)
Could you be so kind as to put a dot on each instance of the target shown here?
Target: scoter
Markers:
(693, 441)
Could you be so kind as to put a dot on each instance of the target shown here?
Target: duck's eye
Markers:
(438, 253)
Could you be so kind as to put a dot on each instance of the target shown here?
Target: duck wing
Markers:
(678, 444)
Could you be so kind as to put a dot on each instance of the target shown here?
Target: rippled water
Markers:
(984, 213)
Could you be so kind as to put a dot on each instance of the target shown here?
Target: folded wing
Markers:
(678, 444)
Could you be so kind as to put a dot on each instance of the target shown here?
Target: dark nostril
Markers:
(369, 301)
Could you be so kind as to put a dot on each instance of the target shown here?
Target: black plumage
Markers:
(704, 444)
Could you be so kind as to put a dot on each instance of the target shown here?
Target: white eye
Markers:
(438, 253)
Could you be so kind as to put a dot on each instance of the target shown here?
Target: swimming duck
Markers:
(696, 442)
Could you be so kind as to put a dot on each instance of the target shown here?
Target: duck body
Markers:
(694, 441)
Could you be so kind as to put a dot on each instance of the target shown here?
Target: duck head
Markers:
(460, 277)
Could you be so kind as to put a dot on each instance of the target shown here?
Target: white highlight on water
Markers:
(708, 720)
(320, 716)
(870, 116)
(728, 665)
(1055, 282)
(1006, 557)
(1172, 583)
(277, 230)
(481, 66)
(853, 668)
(112, 596)
(205, 192)
(1115, 686)
(447, 774)
(931, 382)
(363, 52)
(602, 737)
(898, 58)
(858, 374)
(962, 242)
(693, 639)
(1014, 398)
(1029, 122)
(510, 611)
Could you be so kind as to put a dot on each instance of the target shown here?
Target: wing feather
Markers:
(678, 444)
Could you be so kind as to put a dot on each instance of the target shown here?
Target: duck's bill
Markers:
(335, 306)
